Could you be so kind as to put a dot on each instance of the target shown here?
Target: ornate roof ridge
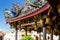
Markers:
(30, 15)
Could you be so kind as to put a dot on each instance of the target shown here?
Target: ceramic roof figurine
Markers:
(27, 7)
(15, 10)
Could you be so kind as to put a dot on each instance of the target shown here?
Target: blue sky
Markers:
(7, 4)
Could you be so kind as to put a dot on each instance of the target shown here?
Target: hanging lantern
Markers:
(41, 22)
(48, 21)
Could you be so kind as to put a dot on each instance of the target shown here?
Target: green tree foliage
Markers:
(27, 38)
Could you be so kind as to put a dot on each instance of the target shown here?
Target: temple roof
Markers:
(28, 13)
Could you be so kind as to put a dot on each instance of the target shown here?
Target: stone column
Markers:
(26, 30)
(39, 36)
(44, 33)
(51, 34)
(16, 33)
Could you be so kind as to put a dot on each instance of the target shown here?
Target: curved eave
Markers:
(28, 16)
